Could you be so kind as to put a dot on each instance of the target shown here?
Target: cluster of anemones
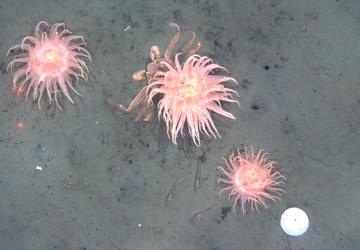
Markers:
(49, 61)
(188, 93)
(251, 178)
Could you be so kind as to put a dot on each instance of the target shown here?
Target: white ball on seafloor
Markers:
(294, 221)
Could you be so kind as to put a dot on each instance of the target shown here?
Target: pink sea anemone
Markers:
(251, 179)
(49, 61)
(188, 95)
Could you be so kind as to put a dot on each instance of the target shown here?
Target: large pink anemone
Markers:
(189, 93)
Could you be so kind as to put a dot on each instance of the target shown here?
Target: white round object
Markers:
(294, 221)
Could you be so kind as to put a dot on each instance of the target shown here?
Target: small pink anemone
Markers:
(250, 178)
